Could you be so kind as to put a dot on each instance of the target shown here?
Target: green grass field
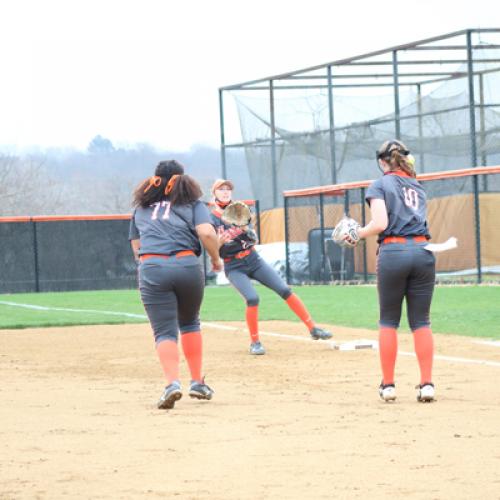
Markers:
(466, 310)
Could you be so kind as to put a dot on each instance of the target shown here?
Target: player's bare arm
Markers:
(210, 241)
(136, 245)
(379, 219)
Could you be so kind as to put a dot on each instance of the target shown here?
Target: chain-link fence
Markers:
(321, 125)
(464, 204)
(46, 254)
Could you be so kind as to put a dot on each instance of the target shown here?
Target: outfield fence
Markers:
(461, 203)
(63, 253)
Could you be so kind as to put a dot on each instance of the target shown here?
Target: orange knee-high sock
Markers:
(298, 307)
(192, 346)
(169, 359)
(252, 317)
(388, 349)
(424, 349)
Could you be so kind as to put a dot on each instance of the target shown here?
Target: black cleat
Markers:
(320, 334)
(200, 390)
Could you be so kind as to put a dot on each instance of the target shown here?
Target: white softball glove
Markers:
(345, 233)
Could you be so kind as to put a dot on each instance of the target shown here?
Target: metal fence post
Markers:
(257, 216)
(322, 233)
(273, 144)
(222, 136)
(287, 238)
(420, 130)
(35, 256)
(482, 134)
(397, 124)
(477, 221)
(473, 152)
(333, 159)
(363, 223)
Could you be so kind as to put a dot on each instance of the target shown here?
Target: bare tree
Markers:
(26, 188)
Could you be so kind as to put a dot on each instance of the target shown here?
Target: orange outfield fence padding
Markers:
(339, 189)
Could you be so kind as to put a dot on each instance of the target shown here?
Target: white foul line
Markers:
(457, 360)
(44, 308)
(332, 344)
(233, 328)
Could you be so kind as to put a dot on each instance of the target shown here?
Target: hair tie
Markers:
(155, 181)
(171, 184)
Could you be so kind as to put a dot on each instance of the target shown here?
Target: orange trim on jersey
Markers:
(239, 255)
(178, 255)
(403, 239)
(399, 173)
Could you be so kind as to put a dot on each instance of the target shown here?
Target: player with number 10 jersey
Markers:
(405, 268)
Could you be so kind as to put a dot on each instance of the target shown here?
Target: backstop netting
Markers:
(463, 203)
(322, 125)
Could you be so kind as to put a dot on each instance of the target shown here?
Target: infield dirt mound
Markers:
(304, 421)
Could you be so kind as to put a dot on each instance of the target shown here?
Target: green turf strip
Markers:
(464, 310)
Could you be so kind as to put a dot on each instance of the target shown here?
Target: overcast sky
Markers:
(149, 70)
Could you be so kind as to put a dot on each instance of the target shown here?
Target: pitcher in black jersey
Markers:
(166, 228)
(405, 269)
(242, 264)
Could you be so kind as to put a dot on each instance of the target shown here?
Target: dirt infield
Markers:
(78, 420)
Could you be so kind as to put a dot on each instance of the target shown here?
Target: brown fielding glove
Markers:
(237, 213)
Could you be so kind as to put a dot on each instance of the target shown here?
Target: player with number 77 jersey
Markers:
(168, 226)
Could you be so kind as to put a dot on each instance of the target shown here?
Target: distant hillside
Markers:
(100, 180)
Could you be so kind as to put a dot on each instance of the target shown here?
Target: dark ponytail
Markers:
(185, 190)
(169, 182)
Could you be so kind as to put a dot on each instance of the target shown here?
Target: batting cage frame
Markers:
(320, 125)
(73, 252)
(461, 203)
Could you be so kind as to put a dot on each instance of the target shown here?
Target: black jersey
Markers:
(240, 240)
(406, 205)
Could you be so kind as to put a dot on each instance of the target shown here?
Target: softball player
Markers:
(405, 269)
(165, 232)
(242, 264)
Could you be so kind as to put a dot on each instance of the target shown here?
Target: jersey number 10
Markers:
(411, 198)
